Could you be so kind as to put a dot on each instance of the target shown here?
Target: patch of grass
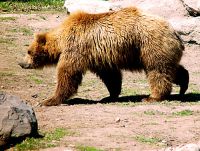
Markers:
(183, 113)
(87, 148)
(128, 91)
(36, 79)
(57, 134)
(143, 81)
(6, 74)
(170, 103)
(42, 17)
(153, 112)
(31, 5)
(14, 30)
(49, 140)
(32, 18)
(26, 31)
(194, 88)
(147, 140)
(127, 103)
(149, 112)
(5, 41)
(8, 18)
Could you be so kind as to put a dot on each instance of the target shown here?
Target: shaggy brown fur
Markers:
(107, 43)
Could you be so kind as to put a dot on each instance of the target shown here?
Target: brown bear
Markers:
(105, 44)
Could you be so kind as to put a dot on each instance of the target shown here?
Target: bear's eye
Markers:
(29, 52)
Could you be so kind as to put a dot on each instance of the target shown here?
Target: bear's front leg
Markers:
(51, 102)
(68, 80)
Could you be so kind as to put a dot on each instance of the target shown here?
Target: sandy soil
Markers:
(107, 126)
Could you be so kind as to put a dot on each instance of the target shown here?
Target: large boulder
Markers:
(188, 28)
(90, 6)
(17, 119)
(165, 8)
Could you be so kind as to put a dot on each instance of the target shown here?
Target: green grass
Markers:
(6, 41)
(132, 104)
(8, 18)
(194, 88)
(153, 112)
(31, 5)
(36, 79)
(147, 140)
(42, 17)
(128, 91)
(87, 148)
(183, 113)
(25, 31)
(6, 74)
(49, 140)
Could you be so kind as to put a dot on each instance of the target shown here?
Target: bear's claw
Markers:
(150, 100)
(51, 102)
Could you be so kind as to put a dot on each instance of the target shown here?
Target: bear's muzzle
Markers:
(25, 65)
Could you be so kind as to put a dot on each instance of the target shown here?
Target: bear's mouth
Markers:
(30, 66)
(25, 65)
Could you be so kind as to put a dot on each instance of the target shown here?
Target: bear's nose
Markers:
(25, 65)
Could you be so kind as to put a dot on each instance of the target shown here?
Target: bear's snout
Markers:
(25, 65)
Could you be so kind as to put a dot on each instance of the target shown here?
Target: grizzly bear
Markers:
(106, 44)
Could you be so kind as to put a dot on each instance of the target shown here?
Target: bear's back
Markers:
(121, 37)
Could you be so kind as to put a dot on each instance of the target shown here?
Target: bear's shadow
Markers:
(190, 97)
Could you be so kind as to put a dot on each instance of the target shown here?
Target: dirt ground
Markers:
(126, 124)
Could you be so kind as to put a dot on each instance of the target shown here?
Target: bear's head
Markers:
(41, 52)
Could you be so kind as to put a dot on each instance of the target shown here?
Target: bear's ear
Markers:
(41, 38)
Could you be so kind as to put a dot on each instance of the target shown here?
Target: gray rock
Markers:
(90, 6)
(193, 3)
(188, 28)
(165, 8)
(17, 118)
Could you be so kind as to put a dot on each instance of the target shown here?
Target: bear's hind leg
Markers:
(182, 79)
(68, 80)
(160, 85)
(112, 78)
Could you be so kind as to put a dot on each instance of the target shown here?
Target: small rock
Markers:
(71, 145)
(164, 141)
(117, 120)
(125, 120)
(34, 95)
(44, 85)
(2, 87)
